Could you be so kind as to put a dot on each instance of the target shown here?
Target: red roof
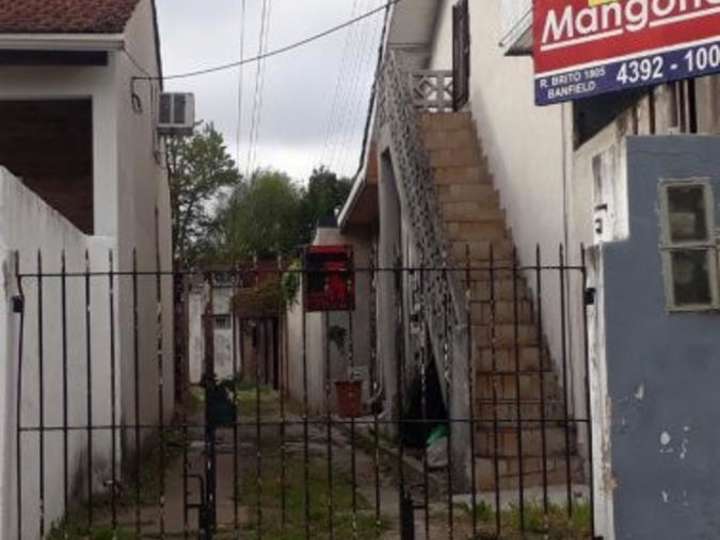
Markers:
(65, 16)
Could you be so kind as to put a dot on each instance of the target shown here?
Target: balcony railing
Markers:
(403, 97)
(432, 91)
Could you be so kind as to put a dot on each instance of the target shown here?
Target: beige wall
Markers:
(523, 144)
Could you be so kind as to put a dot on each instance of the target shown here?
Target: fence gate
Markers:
(440, 403)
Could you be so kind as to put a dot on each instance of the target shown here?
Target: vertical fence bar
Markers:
(63, 317)
(424, 407)
(588, 398)
(258, 412)
(306, 448)
(471, 385)
(233, 322)
(328, 397)
(353, 462)
(41, 392)
(18, 408)
(283, 458)
(518, 400)
(211, 422)
(405, 502)
(89, 392)
(136, 388)
(186, 403)
(541, 371)
(566, 407)
(375, 390)
(448, 308)
(113, 396)
(493, 387)
(161, 385)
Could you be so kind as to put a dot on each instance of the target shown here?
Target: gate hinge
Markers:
(18, 304)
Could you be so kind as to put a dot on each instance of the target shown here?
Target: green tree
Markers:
(199, 169)
(325, 194)
(261, 218)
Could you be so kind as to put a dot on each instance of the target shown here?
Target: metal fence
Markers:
(308, 424)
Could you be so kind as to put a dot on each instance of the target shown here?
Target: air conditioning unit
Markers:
(177, 114)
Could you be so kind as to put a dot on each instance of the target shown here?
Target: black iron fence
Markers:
(271, 421)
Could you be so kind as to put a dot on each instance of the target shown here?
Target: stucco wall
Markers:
(523, 144)
(662, 367)
(27, 222)
(142, 188)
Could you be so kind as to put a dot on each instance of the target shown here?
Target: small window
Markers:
(222, 322)
(461, 54)
(689, 251)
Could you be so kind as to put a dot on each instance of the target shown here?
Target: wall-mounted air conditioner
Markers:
(177, 114)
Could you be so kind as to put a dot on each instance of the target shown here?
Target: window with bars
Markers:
(461, 54)
(688, 245)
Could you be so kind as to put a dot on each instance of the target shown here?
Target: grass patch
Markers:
(74, 526)
(271, 490)
(555, 525)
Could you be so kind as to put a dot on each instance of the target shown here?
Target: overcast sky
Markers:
(314, 99)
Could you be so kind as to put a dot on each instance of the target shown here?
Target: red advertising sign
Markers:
(588, 47)
(329, 278)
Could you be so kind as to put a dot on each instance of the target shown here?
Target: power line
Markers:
(259, 81)
(279, 51)
(241, 82)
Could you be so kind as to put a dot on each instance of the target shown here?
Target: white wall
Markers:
(27, 222)
(523, 144)
(198, 299)
(143, 188)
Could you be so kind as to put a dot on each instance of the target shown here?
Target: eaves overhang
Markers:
(66, 42)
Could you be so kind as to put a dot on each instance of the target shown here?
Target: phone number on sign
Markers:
(654, 68)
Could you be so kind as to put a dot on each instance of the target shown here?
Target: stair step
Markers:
(508, 471)
(449, 176)
(505, 335)
(445, 139)
(502, 251)
(528, 359)
(481, 193)
(506, 387)
(503, 312)
(466, 156)
(490, 410)
(446, 121)
(471, 212)
(481, 230)
(531, 437)
(504, 289)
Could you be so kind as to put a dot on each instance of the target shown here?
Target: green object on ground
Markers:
(436, 434)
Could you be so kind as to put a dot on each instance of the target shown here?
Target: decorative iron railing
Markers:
(432, 90)
(443, 303)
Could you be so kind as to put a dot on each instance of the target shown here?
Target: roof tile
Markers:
(65, 16)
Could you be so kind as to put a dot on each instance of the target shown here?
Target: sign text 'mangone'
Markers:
(569, 25)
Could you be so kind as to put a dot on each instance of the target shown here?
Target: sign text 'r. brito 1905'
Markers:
(588, 47)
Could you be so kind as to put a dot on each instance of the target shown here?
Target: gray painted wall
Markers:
(663, 369)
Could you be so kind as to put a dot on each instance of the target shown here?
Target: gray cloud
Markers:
(300, 86)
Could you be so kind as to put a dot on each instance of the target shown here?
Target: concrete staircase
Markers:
(508, 343)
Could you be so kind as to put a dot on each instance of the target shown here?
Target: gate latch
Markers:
(18, 304)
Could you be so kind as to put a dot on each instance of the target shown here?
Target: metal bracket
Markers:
(18, 304)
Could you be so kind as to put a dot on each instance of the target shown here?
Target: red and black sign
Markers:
(329, 278)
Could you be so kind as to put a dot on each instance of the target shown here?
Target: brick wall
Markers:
(48, 144)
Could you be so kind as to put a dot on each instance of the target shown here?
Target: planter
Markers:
(349, 398)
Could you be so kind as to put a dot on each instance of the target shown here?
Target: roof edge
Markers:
(68, 42)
